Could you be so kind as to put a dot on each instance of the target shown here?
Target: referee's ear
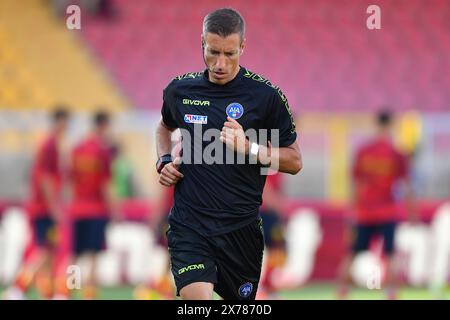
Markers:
(242, 46)
(203, 42)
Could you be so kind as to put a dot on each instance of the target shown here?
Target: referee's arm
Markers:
(286, 159)
(163, 138)
(169, 175)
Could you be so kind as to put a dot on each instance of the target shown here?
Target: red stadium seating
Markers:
(319, 52)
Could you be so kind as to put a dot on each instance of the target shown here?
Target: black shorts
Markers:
(231, 261)
(89, 235)
(364, 233)
(44, 232)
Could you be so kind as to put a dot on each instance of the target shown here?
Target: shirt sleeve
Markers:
(281, 118)
(167, 110)
(403, 168)
(72, 166)
(107, 159)
(356, 170)
(50, 159)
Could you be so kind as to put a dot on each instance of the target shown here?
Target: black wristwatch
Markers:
(162, 161)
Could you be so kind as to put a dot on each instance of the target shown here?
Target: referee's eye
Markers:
(214, 52)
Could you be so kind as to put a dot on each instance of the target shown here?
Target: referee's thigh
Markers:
(239, 261)
(191, 257)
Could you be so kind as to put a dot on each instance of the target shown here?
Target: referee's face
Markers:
(222, 56)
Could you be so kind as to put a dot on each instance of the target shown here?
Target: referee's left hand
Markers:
(169, 174)
(234, 137)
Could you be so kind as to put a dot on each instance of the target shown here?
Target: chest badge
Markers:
(235, 110)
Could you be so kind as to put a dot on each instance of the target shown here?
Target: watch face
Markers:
(162, 161)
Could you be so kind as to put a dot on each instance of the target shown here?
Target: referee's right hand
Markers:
(169, 174)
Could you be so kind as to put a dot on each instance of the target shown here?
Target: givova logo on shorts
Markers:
(191, 267)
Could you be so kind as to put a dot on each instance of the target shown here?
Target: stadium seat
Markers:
(321, 54)
(43, 64)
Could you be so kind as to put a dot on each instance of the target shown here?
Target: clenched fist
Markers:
(170, 175)
(234, 137)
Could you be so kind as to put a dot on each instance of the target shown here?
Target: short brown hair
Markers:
(224, 22)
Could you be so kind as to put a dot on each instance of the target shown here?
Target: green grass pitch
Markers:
(312, 291)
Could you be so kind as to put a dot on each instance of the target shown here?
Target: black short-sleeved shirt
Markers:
(219, 197)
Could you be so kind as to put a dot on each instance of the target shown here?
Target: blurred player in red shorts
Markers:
(378, 169)
(92, 203)
(45, 211)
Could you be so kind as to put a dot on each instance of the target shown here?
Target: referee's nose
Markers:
(221, 63)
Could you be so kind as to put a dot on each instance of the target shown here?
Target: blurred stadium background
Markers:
(335, 72)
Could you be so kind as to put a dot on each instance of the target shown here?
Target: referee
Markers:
(215, 237)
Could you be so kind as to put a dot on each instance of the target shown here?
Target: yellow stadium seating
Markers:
(42, 63)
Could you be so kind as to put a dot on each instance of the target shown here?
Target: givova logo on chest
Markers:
(190, 102)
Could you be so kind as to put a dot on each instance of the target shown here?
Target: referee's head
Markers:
(223, 40)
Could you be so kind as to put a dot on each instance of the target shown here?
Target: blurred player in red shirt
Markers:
(45, 212)
(92, 201)
(378, 169)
